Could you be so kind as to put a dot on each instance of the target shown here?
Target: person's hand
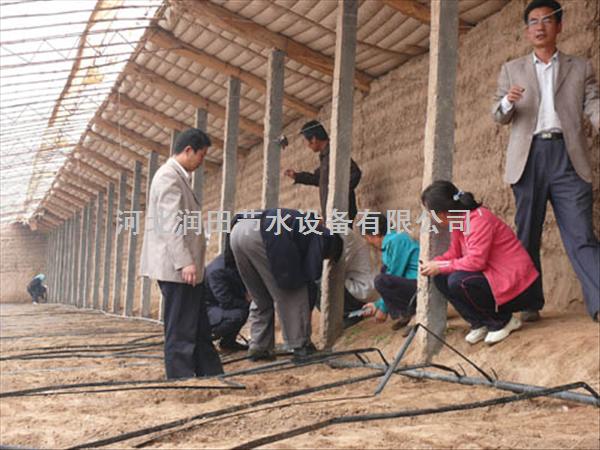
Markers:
(369, 310)
(188, 273)
(515, 93)
(290, 173)
(430, 269)
(380, 316)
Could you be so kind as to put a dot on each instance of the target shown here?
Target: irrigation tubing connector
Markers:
(405, 413)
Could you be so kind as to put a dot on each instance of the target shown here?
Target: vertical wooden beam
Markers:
(273, 126)
(49, 267)
(68, 253)
(332, 297)
(63, 262)
(146, 294)
(108, 243)
(87, 274)
(133, 232)
(97, 250)
(75, 240)
(232, 118)
(198, 182)
(119, 237)
(82, 255)
(439, 145)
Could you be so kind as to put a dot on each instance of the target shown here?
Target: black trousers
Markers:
(189, 350)
(550, 176)
(225, 324)
(397, 293)
(471, 296)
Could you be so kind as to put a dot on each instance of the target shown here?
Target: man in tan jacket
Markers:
(173, 254)
(544, 96)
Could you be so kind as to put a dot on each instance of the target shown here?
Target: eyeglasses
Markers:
(544, 20)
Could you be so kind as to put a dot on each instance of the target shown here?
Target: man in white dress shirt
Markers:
(544, 96)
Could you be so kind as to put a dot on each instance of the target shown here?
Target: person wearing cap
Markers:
(486, 273)
(544, 96)
(174, 256)
(317, 140)
(279, 260)
(37, 289)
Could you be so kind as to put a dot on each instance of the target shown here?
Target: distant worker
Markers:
(37, 289)
(317, 140)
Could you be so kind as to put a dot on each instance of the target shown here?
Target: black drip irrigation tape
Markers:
(220, 412)
(95, 334)
(67, 353)
(52, 390)
(140, 388)
(84, 356)
(403, 413)
(59, 348)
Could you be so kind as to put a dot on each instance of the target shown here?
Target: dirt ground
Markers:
(66, 346)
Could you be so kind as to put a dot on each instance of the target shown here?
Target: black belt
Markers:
(548, 136)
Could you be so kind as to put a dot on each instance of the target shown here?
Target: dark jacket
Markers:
(223, 286)
(320, 178)
(296, 258)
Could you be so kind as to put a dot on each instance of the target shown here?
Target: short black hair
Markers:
(194, 137)
(443, 196)
(314, 129)
(552, 4)
(382, 225)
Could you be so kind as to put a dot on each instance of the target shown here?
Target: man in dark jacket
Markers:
(36, 288)
(279, 260)
(317, 140)
(227, 302)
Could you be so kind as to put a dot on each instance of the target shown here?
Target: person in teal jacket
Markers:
(397, 282)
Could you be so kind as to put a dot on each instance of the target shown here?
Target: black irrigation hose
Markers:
(220, 412)
(96, 334)
(58, 387)
(52, 354)
(139, 388)
(403, 413)
(85, 356)
(92, 346)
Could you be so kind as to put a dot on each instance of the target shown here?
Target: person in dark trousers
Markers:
(545, 95)
(278, 263)
(397, 281)
(174, 256)
(227, 302)
(37, 289)
(317, 140)
(486, 273)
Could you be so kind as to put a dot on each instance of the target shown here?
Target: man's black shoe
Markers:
(304, 351)
(255, 354)
(232, 346)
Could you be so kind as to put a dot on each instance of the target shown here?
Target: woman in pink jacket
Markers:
(486, 273)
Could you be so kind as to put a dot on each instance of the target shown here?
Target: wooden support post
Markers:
(87, 274)
(332, 297)
(146, 294)
(75, 241)
(108, 243)
(198, 182)
(49, 265)
(97, 250)
(63, 262)
(439, 145)
(133, 232)
(68, 262)
(273, 126)
(82, 255)
(232, 117)
(119, 237)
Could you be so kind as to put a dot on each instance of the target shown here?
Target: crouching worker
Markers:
(278, 262)
(486, 273)
(227, 302)
(397, 282)
(37, 289)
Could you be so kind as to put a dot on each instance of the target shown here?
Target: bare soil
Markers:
(559, 349)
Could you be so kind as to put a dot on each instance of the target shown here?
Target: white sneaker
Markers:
(494, 337)
(476, 335)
